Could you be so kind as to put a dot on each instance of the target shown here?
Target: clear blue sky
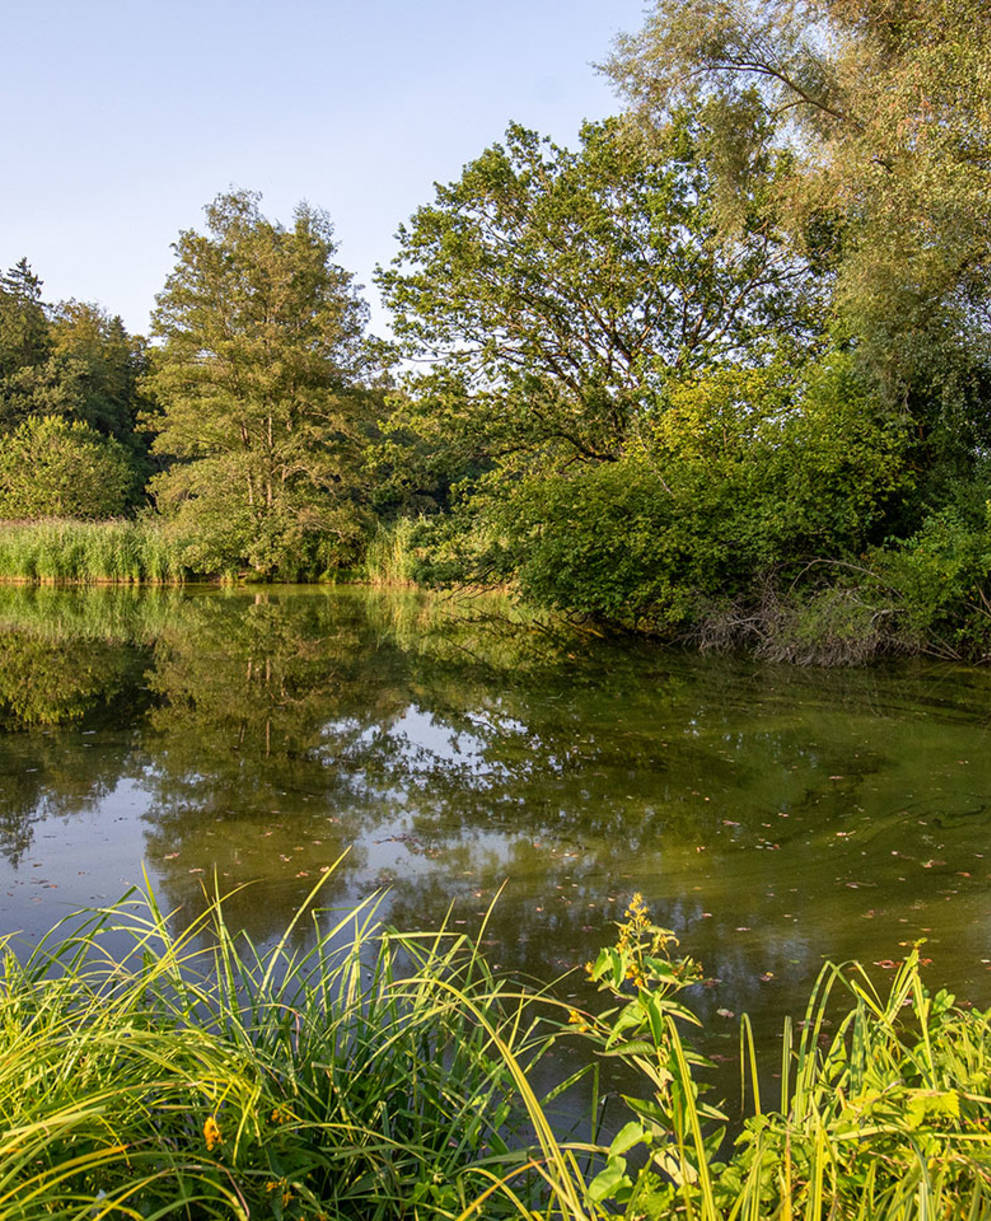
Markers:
(122, 118)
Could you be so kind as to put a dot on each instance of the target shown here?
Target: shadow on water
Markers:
(772, 817)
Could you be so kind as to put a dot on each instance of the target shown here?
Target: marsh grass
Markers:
(390, 557)
(343, 1072)
(118, 551)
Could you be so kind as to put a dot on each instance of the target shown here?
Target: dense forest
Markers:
(721, 372)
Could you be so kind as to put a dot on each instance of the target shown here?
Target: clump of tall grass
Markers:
(150, 1072)
(120, 551)
(390, 557)
(349, 1072)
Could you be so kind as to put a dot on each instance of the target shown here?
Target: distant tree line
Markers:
(721, 371)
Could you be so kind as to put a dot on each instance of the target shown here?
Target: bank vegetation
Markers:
(719, 372)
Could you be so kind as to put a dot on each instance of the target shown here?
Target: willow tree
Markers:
(886, 106)
(258, 387)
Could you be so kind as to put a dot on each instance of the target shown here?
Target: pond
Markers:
(772, 817)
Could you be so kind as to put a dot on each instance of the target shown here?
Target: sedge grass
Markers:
(347, 1072)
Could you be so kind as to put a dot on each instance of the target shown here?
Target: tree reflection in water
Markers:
(770, 815)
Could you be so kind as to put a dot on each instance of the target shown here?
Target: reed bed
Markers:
(118, 551)
(390, 557)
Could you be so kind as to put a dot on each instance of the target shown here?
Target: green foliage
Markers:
(890, 107)
(886, 1116)
(345, 1071)
(88, 551)
(259, 406)
(103, 365)
(73, 360)
(746, 474)
(350, 1071)
(390, 557)
(32, 379)
(52, 467)
(938, 585)
(556, 291)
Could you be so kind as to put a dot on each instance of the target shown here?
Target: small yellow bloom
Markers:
(637, 906)
(577, 1020)
(211, 1133)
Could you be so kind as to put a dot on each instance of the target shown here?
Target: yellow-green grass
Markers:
(56, 550)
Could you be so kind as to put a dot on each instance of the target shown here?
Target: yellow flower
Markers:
(576, 1019)
(637, 906)
(211, 1133)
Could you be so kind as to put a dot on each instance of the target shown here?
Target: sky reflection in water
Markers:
(772, 817)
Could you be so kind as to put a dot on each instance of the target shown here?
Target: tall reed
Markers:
(63, 550)
(390, 558)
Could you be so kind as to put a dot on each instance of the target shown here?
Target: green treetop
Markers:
(886, 106)
(257, 388)
(556, 293)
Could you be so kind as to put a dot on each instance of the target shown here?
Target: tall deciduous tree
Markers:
(557, 292)
(257, 384)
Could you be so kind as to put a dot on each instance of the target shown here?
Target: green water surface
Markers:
(773, 817)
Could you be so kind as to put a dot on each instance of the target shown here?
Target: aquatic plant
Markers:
(390, 557)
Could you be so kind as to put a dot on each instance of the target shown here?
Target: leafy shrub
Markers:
(742, 474)
(53, 467)
(939, 584)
